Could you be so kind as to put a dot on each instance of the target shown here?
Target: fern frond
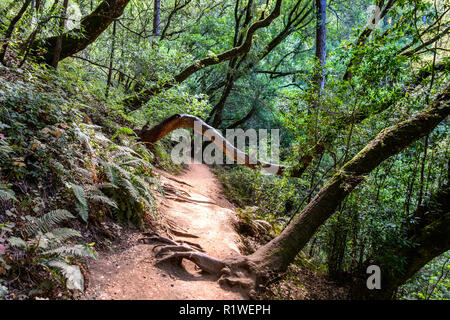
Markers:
(140, 184)
(73, 275)
(17, 242)
(144, 190)
(105, 185)
(60, 235)
(103, 199)
(80, 200)
(54, 238)
(131, 190)
(134, 162)
(44, 224)
(54, 217)
(83, 138)
(110, 173)
(73, 251)
(5, 149)
(121, 170)
(85, 173)
(128, 150)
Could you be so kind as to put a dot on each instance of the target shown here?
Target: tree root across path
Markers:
(233, 271)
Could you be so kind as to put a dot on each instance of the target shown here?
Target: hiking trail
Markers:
(195, 210)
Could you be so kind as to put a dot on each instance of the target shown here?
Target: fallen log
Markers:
(151, 135)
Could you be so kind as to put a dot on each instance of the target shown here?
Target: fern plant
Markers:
(6, 193)
(129, 191)
(90, 193)
(45, 244)
(121, 175)
(5, 150)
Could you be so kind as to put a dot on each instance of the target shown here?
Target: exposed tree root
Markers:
(171, 228)
(203, 261)
(233, 271)
(181, 195)
(184, 199)
(154, 237)
(178, 181)
(183, 234)
(170, 189)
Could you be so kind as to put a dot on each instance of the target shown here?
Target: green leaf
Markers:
(80, 200)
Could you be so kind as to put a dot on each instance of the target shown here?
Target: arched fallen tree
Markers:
(276, 255)
(152, 135)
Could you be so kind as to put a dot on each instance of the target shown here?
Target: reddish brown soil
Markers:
(194, 204)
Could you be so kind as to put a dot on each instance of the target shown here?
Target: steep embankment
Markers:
(193, 210)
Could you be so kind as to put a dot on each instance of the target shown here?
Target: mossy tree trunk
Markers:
(425, 240)
(91, 27)
(281, 251)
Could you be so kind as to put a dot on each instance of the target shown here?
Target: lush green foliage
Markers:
(67, 141)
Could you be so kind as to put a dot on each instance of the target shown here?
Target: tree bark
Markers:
(91, 27)
(156, 133)
(281, 251)
(156, 17)
(10, 30)
(321, 45)
(58, 46)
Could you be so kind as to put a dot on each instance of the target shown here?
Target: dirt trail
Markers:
(194, 204)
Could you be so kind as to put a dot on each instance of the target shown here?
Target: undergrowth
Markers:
(66, 158)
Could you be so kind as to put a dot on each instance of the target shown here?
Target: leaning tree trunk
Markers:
(91, 27)
(10, 30)
(150, 136)
(425, 240)
(281, 251)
